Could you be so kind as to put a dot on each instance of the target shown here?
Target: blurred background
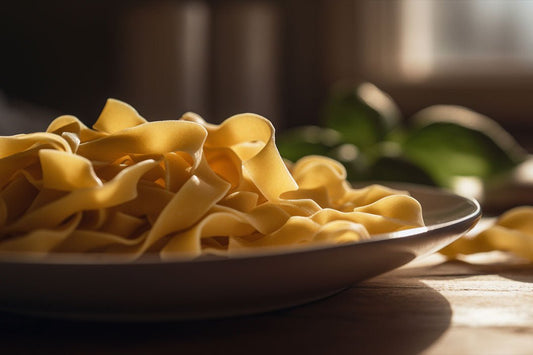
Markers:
(276, 58)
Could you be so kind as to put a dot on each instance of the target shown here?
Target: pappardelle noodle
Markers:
(179, 189)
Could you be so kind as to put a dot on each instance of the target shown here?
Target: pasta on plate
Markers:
(179, 189)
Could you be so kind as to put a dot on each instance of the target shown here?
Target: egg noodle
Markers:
(512, 232)
(179, 189)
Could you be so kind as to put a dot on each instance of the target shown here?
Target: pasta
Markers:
(512, 232)
(179, 189)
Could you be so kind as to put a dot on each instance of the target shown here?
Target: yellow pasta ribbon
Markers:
(512, 232)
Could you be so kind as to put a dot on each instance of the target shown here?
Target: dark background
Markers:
(217, 58)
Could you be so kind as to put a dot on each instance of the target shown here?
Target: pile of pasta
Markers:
(179, 189)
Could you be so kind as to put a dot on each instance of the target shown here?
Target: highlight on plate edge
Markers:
(179, 189)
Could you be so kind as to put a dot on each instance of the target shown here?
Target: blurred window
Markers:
(428, 39)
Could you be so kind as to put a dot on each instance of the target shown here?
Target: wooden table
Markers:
(430, 307)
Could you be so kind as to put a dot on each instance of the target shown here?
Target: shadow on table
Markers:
(383, 315)
(523, 274)
(510, 268)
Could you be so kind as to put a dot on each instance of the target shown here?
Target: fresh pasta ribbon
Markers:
(41, 241)
(512, 232)
(251, 137)
(66, 172)
(179, 189)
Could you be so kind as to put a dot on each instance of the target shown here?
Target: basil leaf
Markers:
(363, 115)
(301, 141)
(459, 144)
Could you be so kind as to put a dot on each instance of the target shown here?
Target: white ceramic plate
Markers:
(107, 289)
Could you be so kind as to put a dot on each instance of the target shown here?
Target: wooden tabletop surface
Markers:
(433, 306)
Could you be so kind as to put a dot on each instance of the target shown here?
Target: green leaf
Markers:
(355, 161)
(399, 169)
(364, 115)
(389, 163)
(468, 118)
(301, 141)
(453, 141)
